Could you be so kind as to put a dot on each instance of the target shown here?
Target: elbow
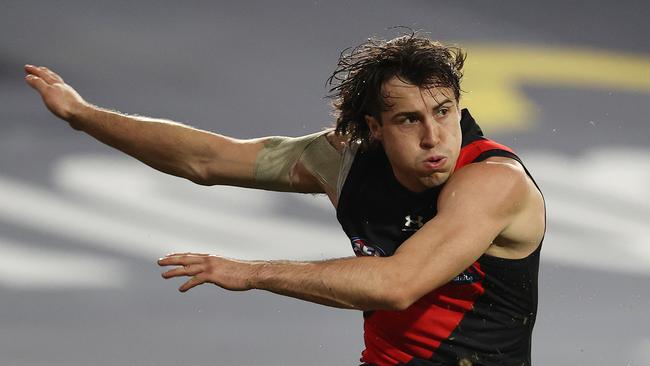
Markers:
(199, 173)
(200, 180)
(398, 298)
(396, 290)
(197, 179)
(402, 303)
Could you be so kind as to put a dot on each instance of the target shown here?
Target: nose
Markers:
(430, 136)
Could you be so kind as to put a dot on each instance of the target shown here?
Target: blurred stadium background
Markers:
(567, 84)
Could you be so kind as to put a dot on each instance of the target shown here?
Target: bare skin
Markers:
(440, 250)
(420, 133)
(421, 136)
(202, 157)
(506, 207)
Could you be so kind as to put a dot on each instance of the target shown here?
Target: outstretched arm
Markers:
(337, 282)
(203, 157)
(444, 247)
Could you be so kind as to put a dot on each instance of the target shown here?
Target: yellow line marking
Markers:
(494, 76)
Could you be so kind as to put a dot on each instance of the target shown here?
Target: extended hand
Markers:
(224, 272)
(59, 97)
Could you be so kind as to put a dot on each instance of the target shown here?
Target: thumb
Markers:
(36, 83)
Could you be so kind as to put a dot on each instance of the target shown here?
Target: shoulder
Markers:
(500, 183)
(495, 171)
(497, 192)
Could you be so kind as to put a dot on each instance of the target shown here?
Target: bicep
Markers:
(288, 164)
(230, 161)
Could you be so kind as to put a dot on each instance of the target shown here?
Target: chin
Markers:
(435, 180)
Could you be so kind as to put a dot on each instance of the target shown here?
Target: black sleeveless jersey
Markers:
(484, 316)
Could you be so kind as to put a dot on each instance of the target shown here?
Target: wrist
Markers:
(80, 114)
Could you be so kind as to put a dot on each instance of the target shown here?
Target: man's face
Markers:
(420, 133)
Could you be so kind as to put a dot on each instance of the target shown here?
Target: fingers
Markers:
(190, 265)
(36, 83)
(187, 253)
(194, 281)
(190, 270)
(182, 259)
(47, 75)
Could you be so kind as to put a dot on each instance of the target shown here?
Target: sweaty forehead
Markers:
(399, 94)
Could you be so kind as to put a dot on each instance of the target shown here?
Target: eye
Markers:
(442, 112)
(410, 119)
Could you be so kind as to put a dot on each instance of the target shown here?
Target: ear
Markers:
(374, 126)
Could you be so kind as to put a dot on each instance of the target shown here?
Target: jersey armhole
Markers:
(497, 152)
(349, 153)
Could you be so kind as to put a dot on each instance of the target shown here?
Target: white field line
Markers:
(178, 216)
(616, 174)
(22, 266)
(246, 237)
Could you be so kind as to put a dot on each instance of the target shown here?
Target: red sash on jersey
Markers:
(396, 337)
(471, 151)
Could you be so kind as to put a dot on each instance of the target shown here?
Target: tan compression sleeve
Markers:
(276, 161)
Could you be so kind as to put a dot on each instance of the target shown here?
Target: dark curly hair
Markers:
(356, 84)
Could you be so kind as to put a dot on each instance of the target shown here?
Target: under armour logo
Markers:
(413, 224)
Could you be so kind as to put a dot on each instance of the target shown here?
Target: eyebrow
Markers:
(411, 113)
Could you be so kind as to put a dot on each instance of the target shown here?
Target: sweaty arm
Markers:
(490, 196)
(274, 163)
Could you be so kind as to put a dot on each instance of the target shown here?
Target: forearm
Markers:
(363, 283)
(173, 148)
(167, 146)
